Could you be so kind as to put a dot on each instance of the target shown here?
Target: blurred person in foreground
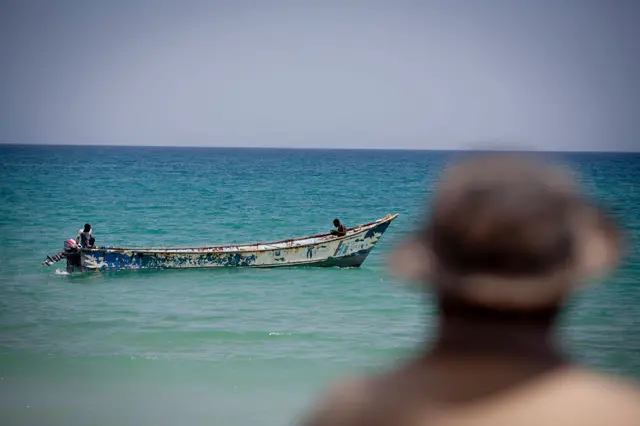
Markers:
(507, 241)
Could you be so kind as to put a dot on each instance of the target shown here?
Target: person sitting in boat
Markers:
(84, 238)
(341, 231)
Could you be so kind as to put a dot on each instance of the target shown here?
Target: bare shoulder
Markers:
(611, 399)
(609, 389)
(570, 397)
(341, 403)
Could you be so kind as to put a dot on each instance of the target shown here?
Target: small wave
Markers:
(144, 357)
(279, 334)
(61, 272)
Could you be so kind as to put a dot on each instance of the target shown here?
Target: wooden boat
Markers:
(322, 250)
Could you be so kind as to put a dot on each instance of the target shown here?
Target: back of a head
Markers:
(502, 221)
(87, 227)
(509, 230)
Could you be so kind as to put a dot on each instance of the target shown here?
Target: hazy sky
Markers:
(449, 74)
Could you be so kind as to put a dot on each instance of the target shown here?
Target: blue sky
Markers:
(421, 75)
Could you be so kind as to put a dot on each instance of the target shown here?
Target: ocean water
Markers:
(236, 347)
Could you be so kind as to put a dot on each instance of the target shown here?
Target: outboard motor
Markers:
(71, 253)
(70, 245)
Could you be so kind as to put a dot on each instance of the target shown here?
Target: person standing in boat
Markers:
(84, 238)
(341, 230)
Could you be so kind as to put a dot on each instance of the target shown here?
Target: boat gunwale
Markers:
(210, 249)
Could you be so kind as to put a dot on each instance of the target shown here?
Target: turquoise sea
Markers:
(236, 347)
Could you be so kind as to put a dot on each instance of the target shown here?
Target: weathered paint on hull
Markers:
(322, 251)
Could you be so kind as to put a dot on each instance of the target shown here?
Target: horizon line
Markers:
(316, 148)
